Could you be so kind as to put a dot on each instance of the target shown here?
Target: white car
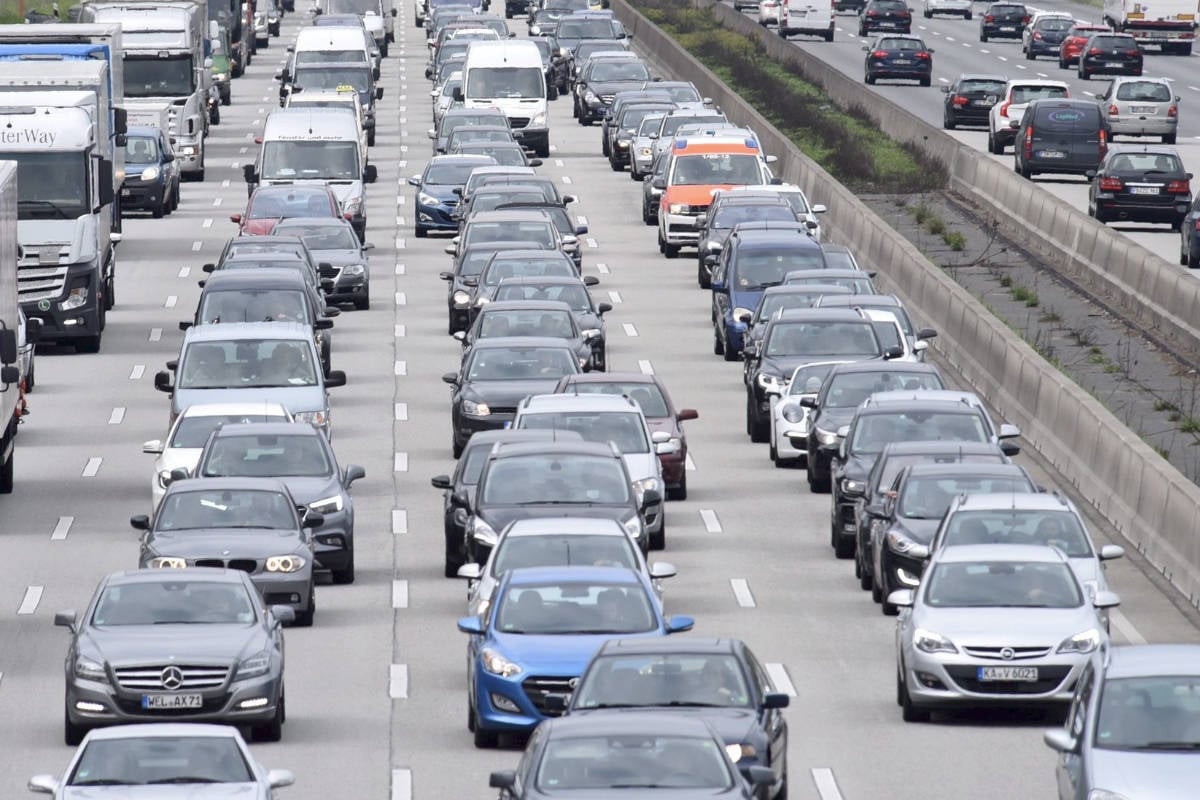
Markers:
(789, 418)
(164, 759)
(796, 198)
(190, 432)
(794, 17)
(1018, 94)
(960, 8)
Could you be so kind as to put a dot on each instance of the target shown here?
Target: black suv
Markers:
(969, 99)
(1003, 21)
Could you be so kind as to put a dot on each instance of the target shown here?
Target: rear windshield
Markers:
(982, 86)
(1165, 163)
(1053, 24)
(1144, 91)
(1027, 94)
(1068, 118)
(1114, 41)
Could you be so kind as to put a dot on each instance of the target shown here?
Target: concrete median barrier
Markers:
(1151, 503)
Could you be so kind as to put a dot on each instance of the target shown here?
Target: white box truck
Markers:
(10, 370)
(1169, 24)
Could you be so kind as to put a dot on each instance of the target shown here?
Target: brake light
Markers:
(1132, 52)
(1095, 51)
(1103, 143)
(923, 56)
(1172, 111)
(879, 54)
(989, 18)
(1025, 19)
(959, 100)
(1037, 35)
(1111, 184)
(1029, 142)
(1113, 112)
(1179, 187)
(1004, 108)
(1198, 224)
(872, 13)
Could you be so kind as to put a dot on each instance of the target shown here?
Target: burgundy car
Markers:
(269, 204)
(660, 413)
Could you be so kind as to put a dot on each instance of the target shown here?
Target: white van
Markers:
(324, 44)
(796, 17)
(508, 75)
(316, 145)
(344, 99)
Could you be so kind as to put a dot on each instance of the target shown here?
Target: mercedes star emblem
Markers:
(172, 678)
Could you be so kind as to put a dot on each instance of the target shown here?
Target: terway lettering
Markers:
(27, 136)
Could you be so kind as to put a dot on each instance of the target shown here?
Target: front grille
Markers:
(150, 678)
(243, 564)
(518, 122)
(606, 99)
(1018, 653)
(330, 272)
(1049, 679)
(538, 688)
(42, 276)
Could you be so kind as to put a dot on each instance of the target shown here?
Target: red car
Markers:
(1073, 44)
(660, 413)
(269, 204)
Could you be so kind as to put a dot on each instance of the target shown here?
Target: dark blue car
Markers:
(151, 172)
(438, 191)
(898, 57)
(539, 634)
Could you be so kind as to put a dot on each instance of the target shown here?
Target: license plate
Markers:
(168, 702)
(1143, 190)
(1142, 109)
(1023, 674)
(902, 61)
(1051, 154)
(1113, 64)
(983, 103)
(1009, 28)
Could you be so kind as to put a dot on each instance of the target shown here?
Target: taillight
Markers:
(923, 56)
(1198, 224)
(1029, 142)
(1111, 185)
(1004, 108)
(1037, 35)
(959, 100)
(872, 13)
(1095, 51)
(879, 54)
(989, 18)
(1172, 111)
(1179, 187)
(1113, 112)
(1025, 19)
(1103, 143)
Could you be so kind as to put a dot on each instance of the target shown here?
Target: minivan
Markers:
(509, 75)
(1060, 135)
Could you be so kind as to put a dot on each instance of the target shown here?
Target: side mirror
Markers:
(874, 509)
(154, 446)
(331, 311)
(65, 619)
(901, 598)
(684, 414)
(472, 625)
(278, 778)
(249, 173)
(808, 402)
(353, 473)
(162, 382)
(680, 624)
(661, 570)
(1060, 740)
(43, 784)
(926, 333)
(322, 324)
(604, 308)
(283, 615)
(505, 779)
(450, 250)
(776, 700)
(415, 180)
(591, 280)
(180, 474)
(458, 94)
(745, 318)
(896, 351)
(1106, 600)
(450, 378)
(666, 448)
(651, 497)
(1091, 173)
(843, 431)
(460, 336)
(440, 481)
(209, 268)
(335, 378)
(446, 276)
(945, 90)
(761, 776)
(581, 230)
(185, 324)
(1008, 431)
(236, 218)
(312, 519)
(1111, 551)
(470, 571)
(370, 173)
(533, 162)
(920, 347)
(139, 522)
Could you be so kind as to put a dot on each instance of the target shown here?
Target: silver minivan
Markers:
(1141, 107)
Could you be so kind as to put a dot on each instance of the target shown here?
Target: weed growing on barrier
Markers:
(1023, 294)
(955, 241)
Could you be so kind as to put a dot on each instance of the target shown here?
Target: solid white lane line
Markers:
(185, 271)
(117, 416)
(137, 372)
(826, 784)
(155, 334)
(779, 677)
(401, 299)
(1126, 628)
(401, 784)
(401, 412)
(29, 603)
(629, 329)
(400, 200)
(399, 594)
(171, 301)
(741, 592)
(400, 331)
(61, 529)
(602, 268)
(92, 467)
(400, 462)
(709, 518)
(398, 682)
(399, 521)
(688, 464)
(645, 366)
(401, 368)
(615, 296)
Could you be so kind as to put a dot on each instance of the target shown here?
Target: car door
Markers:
(772, 719)
(720, 286)
(1071, 768)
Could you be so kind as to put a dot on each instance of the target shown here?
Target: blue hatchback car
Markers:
(537, 637)
(438, 191)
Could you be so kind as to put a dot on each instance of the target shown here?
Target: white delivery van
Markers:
(344, 99)
(508, 75)
(315, 145)
(326, 44)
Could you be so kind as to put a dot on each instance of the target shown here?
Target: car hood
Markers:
(1163, 776)
(919, 530)
(733, 725)
(225, 543)
(831, 419)
(306, 489)
(185, 791)
(1006, 627)
(566, 654)
(700, 195)
(297, 399)
(338, 258)
(742, 299)
(507, 393)
(859, 466)
(612, 87)
(444, 192)
(139, 644)
(641, 465)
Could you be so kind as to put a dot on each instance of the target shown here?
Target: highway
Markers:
(958, 50)
(376, 688)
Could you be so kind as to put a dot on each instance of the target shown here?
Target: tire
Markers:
(658, 541)
(88, 344)
(967, 15)
(928, 14)
(926, 80)
(383, 49)
(1062, 63)
(612, 162)
(1025, 172)
(1193, 261)
(420, 233)
(1176, 225)
(869, 79)
(842, 548)
(344, 576)
(30, 381)
(671, 250)
(1100, 215)
(484, 740)
(8, 475)
(452, 561)
(1029, 56)
(948, 123)
(273, 730)
(646, 218)
(680, 491)
(982, 37)
(719, 347)
(159, 210)
(877, 590)
(72, 734)
(363, 303)
(1084, 75)
(214, 116)
(456, 448)
(543, 151)
(828, 38)
(866, 580)
(703, 277)
(908, 711)
(1168, 138)
(371, 138)
(817, 485)
(759, 431)
(304, 619)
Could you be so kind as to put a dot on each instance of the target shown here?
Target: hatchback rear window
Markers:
(998, 9)
(1144, 91)
(1068, 118)
(1114, 41)
(983, 87)
(1027, 94)
(1053, 25)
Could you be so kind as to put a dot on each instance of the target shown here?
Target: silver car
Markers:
(641, 149)
(1140, 107)
(211, 761)
(994, 625)
(1133, 729)
(790, 418)
(164, 644)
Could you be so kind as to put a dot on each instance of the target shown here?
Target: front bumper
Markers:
(502, 704)
(532, 138)
(679, 229)
(333, 542)
(137, 194)
(59, 325)
(435, 218)
(468, 425)
(117, 706)
(620, 153)
(951, 679)
(290, 589)
(784, 449)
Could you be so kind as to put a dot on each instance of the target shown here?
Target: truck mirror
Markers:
(214, 29)
(105, 177)
(120, 121)
(249, 173)
(370, 174)
(8, 346)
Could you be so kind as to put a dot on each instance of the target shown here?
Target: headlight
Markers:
(285, 564)
(497, 664)
(621, 143)
(90, 670)
(590, 96)
(257, 664)
(474, 409)
(75, 299)
(535, 30)
(317, 419)
(167, 562)
(794, 413)
(482, 532)
(220, 76)
(187, 149)
(851, 486)
(644, 151)
(354, 269)
(591, 333)
(768, 381)
(677, 208)
(328, 505)
(737, 752)
(633, 527)
(930, 642)
(1084, 642)
(826, 437)
(739, 311)
(164, 478)
(427, 199)
(461, 298)
(150, 173)
(897, 542)
(352, 205)
(644, 485)
(537, 120)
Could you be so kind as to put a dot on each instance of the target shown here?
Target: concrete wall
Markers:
(1154, 506)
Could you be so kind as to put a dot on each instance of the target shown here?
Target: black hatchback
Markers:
(1046, 36)
(1141, 184)
(1060, 135)
(1110, 54)
(970, 98)
(900, 58)
(885, 15)
(1003, 21)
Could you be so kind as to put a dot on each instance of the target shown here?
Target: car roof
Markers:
(926, 395)
(547, 403)
(1023, 501)
(534, 280)
(802, 288)
(302, 222)
(818, 315)
(510, 216)
(669, 644)
(268, 429)
(829, 273)
(1130, 661)
(214, 574)
(526, 576)
(949, 448)
(306, 189)
(222, 484)
(224, 409)
(646, 723)
(462, 158)
(519, 341)
(973, 467)
(155, 730)
(228, 331)
(565, 526)
(567, 446)
(514, 435)
(612, 377)
(243, 279)
(793, 234)
(967, 553)
(984, 76)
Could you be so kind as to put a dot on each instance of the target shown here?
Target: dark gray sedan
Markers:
(517, 318)
(168, 644)
(342, 257)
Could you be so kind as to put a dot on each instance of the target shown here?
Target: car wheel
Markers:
(364, 302)
(1100, 214)
(843, 548)
(1177, 224)
(967, 15)
(88, 344)
(908, 711)
(634, 175)
(925, 81)
(816, 485)
(420, 233)
(680, 491)
(304, 619)
(759, 430)
(1083, 73)
(658, 541)
(1193, 260)
(646, 218)
(344, 576)
(1183, 260)
(703, 277)
(30, 381)
(1062, 63)
(869, 79)
(455, 448)
(1029, 56)
(718, 349)
(928, 15)
(159, 210)
(1023, 170)
(273, 730)
(991, 145)
(485, 739)
(670, 250)
(866, 581)
(371, 137)
(773, 453)
(214, 116)
(729, 353)
(72, 734)
(877, 589)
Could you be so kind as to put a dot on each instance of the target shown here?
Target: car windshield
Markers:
(512, 230)
(673, 123)
(705, 169)
(1002, 584)
(757, 268)
(1059, 529)
(875, 431)
(193, 430)
(331, 56)
(850, 389)
(323, 237)
(477, 133)
(1157, 712)
(456, 121)
(504, 82)
(248, 363)
(322, 77)
(625, 429)
(647, 395)
(650, 123)
(290, 203)
(249, 305)
(1027, 94)
(928, 497)
(896, 43)
(980, 86)
(520, 363)
(586, 29)
(1140, 163)
(474, 260)
(518, 552)
(808, 379)
(489, 201)
(502, 268)
(171, 602)
(170, 76)
(141, 150)
(535, 322)
(682, 94)
(573, 294)
(566, 479)
(267, 456)
(822, 338)
(630, 69)
(861, 285)
(731, 215)
(359, 7)
(586, 49)
(633, 760)
(448, 174)
(1144, 91)
(771, 304)
(150, 759)
(247, 246)
(226, 508)
(575, 609)
(505, 154)
(683, 679)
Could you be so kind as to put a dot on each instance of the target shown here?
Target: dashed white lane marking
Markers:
(137, 372)
(711, 523)
(29, 603)
(243, 149)
(742, 593)
(943, 80)
(171, 301)
(400, 331)
(566, 179)
(1042, 75)
(950, 39)
(629, 329)
(216, 202)
(1122, 623)
(558, 162)
(582, 220)
(207, 223)
(400, 200)
(1002, 58)
(826, 784)
(92, 467)
(1020, 66)
(1194, 88)
(401, 299)
(398, 682)
(399, 243)
(400, 269)
(401, 784)
(401, 368)
(185, 271)
(117, 416)
(234, 165)
(155, 334)
(602, 269)
(688, 464)
(196, 246)
(400, 462)
(61, 529)
(646, 367)
(401, 412)
(1089, 94)
(615, 296)
(779, 678)
(553, 148)
(399, 594)
(399, 521)
(591, 243)
(985, 51)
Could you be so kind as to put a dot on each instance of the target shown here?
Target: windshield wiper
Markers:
(690, 704)
(1168, 746)
(45, 204)
(104, 782)
(556, 503)
(186, 779)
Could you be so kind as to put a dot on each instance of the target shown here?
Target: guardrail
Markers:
(1146, 499)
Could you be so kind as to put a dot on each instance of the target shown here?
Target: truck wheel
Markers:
(214, 115)
(6, 470)
(88, 344)
(371, 138)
